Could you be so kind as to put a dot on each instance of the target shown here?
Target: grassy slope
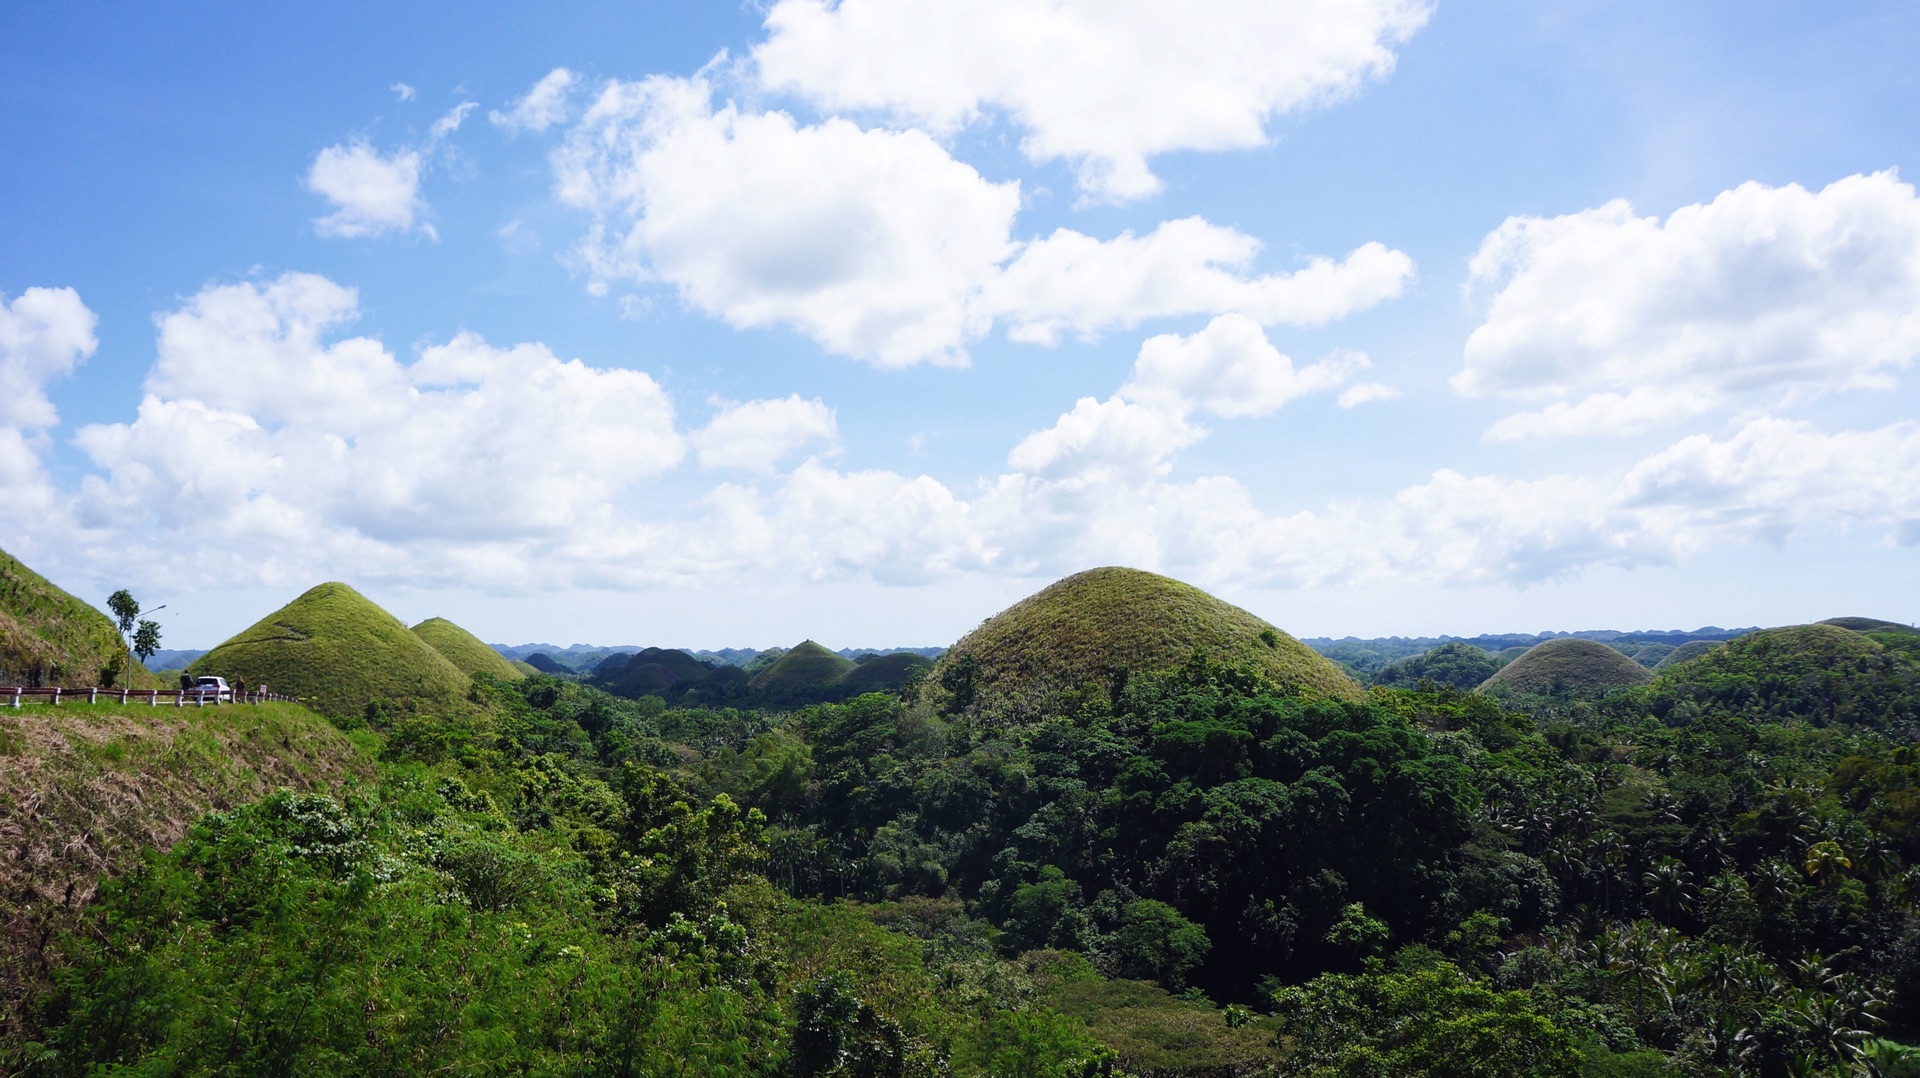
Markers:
(1079, 629)
(1582, 667)
(805, 666)
(885, 672)
(84, 790)
(336, 648)
(465, 650)
(44, 628)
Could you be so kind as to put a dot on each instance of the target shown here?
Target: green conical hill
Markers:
(1570, 666)
(1085, 628)
(338, 649)
(885, 672)
(1817, 673)
(465, 650)
(805, 668)
(1686, 652)
(48, 637)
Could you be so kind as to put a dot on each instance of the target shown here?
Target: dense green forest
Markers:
(1187, 870)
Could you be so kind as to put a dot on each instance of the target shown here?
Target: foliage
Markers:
(1462, 666)
(1818, 673)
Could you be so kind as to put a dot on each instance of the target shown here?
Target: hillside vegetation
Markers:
(86, 790)
(1097, 628)
(338, 649)
(1568, 667)
(465, 650)
(1686, 653)
(1462, 666)
(1818, 673)
(48, 637)
(801, 674)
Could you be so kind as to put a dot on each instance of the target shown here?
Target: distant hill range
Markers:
(1367, 657)
(586, 658)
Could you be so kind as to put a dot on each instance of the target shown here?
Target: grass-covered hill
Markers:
(651, 672)
(85, 791)
(805, 671)
(465, 650)
(338, 649)
(1686, 653)
(881, 673)
(48, 637)
(1568, 666)
(547, 664)
(1821, 673)
(1096, 626)
(1870, 625)
(1462, 666)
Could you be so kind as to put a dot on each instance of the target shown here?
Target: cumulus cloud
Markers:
(1366, 393)
(1074, 283)
(1766, 294)
(255, 426)
(546, 104)
(757, 435)
(1101, 86)
(373, 194)
(871, 242)
(880, 245)
(44, 333)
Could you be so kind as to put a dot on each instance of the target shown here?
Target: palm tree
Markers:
(1669, 888)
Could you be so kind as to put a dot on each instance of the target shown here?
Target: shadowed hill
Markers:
(465, 650)
(543, 663)
(1100, 624)
(805, 671)
(1568, 666)
(48, 637)
(881, 673)
(1686, 652)
(1462, 666)
(340, 650)
(1821, 673)
(650, 672)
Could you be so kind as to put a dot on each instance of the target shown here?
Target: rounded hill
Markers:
(1569, 666)
(1869, 625)
(1819, 673)
(465, 650)
(1102, 623)
(1685, 653)
(805, 670)
(882, 673)
(1460, 665)
(339, 650)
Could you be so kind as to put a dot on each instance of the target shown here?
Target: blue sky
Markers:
(714, 325)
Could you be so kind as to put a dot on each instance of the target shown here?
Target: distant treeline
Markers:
(1365, 657)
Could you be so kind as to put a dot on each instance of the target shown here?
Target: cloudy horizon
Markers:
(857, 321)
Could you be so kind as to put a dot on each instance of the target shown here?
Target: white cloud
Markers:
(1074, 283)
(44, 333)
(870, 242)
(1103, 442)
(448, 124)
(757, 435)
(880, 245)
(1099, 85)
(403, 91)
(375, 195)
(1366, 393)
(1767, 294)
(254, 428)
(543, 106)
(1229, 369)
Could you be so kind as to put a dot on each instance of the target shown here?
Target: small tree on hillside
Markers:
(142, 639)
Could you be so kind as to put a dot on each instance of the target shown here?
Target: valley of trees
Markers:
(1188, 864)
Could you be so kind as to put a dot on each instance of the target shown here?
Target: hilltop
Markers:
(1461, 665)
(1097, 626)
(48, 637)
(1821, 673)
(1570, 666)
(340, 650)
(465, 650)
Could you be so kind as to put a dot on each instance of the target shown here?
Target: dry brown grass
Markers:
(85, 791)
